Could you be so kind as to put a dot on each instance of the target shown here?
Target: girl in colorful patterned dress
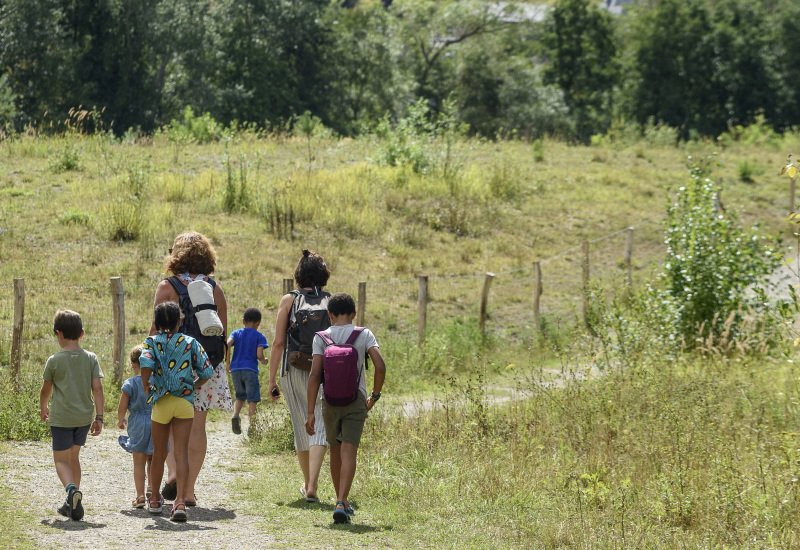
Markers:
(138, 442)
(179, 366)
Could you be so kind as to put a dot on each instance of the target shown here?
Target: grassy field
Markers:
(678, 452)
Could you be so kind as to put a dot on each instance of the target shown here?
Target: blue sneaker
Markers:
(348, 508)
(340, 514)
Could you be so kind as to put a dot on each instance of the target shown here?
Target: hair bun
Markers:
(306, 253)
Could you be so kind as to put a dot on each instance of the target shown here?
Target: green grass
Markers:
(678, 452)
(695, 453)
(14, 534)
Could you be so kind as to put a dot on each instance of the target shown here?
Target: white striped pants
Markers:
(295, 392)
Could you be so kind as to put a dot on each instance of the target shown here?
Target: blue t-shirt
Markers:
(246, 342)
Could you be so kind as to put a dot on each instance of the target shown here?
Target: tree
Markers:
(579, 44)
(360, 67)
(786, 22)
(430, 30)
(672, 73)
(747, 61)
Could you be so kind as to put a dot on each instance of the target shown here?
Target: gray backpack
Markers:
(309, 315)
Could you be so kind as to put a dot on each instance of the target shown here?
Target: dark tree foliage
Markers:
(746, 62)
(785, 22)
(697, 65)
(360, 68)
(674, 66)
(579, 43)
(266, 67)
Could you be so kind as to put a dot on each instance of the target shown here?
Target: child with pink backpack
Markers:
(339, 354)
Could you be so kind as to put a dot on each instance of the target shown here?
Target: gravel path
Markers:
(107, 485)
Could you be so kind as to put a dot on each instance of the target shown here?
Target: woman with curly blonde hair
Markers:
(192, 258)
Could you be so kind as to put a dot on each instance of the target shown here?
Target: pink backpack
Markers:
(340, 373)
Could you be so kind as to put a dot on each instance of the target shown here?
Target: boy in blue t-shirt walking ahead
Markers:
(248, 351)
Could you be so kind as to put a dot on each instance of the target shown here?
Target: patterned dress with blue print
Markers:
(175, 360)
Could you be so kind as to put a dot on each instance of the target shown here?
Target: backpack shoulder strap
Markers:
(179, 287)
(325, 338)
(354, 335)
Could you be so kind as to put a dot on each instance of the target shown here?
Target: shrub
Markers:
(711, 262)
(74, 217)
(747, 170)
(125, 218)
(67, 159)
(194, 129)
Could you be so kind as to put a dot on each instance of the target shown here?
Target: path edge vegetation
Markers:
(669, 446)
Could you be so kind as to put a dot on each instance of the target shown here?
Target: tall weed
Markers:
(19, 410)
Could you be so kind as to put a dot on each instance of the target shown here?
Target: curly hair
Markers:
(252, 315)
(191, 253)
(311, 271)
(341, 303)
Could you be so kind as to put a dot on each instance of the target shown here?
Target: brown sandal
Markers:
(140, 502)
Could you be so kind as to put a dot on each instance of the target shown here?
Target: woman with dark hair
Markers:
(301, 314)
(192, 258)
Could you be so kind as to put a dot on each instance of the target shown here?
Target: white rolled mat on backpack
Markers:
(202, 294)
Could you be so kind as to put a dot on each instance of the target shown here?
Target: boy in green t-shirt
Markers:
(72, 376)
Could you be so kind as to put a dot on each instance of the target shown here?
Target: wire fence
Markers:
(391, 308)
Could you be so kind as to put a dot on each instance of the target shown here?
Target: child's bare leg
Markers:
(316, 454)
(347, 470)
(237, 406)
(171, 459)
(336, 467)
(252, 409)
(181, 431)
(160, 434)
(198, 444)
(148, 468)
(68, 466)
(139, 467)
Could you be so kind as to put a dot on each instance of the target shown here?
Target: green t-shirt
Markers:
(71, 373)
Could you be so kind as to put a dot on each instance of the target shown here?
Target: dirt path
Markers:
(110, 521)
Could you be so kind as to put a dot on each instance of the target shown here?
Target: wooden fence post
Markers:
(629, 256)
(288, 286)
(585, 263)
(118, 349)
(422, 308)
(485, 300)
(19, 325)
(362, 303)
(537, 291)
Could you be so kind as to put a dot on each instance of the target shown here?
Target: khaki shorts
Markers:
(168, 407)
(345, 424)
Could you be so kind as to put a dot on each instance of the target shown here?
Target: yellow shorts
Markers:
(168, 407)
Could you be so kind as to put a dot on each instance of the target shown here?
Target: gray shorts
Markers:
(66, 438)
(345, 424)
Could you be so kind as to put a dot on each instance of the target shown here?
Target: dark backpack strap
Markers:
(202, 307)
(181, 289)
